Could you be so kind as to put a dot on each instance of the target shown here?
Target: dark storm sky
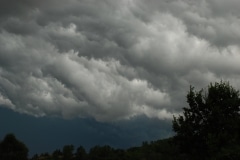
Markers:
(112, 61)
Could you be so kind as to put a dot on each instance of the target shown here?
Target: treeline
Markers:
(155, 150)
(13, 149)
(208, 129)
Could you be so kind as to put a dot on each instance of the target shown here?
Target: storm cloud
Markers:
(114, 60)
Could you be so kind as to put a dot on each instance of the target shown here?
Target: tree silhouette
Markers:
(81, 153)
(101, 152)
(68, 152)
(57, 154)
(211, 123)
(12, 149)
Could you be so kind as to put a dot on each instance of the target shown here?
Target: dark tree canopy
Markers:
(210, 124)
(12, 149)
(81, 153)
(68, 152)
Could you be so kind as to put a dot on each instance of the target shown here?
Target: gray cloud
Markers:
(113, 60)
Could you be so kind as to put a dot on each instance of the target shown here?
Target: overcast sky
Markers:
(114, 60)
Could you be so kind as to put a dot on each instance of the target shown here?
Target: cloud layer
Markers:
(113, 60)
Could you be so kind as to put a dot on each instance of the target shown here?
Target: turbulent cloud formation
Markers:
(113, 60)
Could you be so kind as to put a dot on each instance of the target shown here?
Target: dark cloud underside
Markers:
(48, 134)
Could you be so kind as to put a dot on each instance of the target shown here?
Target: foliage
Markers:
(12, 149)
(68, 152)
(57, 154)
(155, 150)
(81, 153)
(211, 122)
(101, 153)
